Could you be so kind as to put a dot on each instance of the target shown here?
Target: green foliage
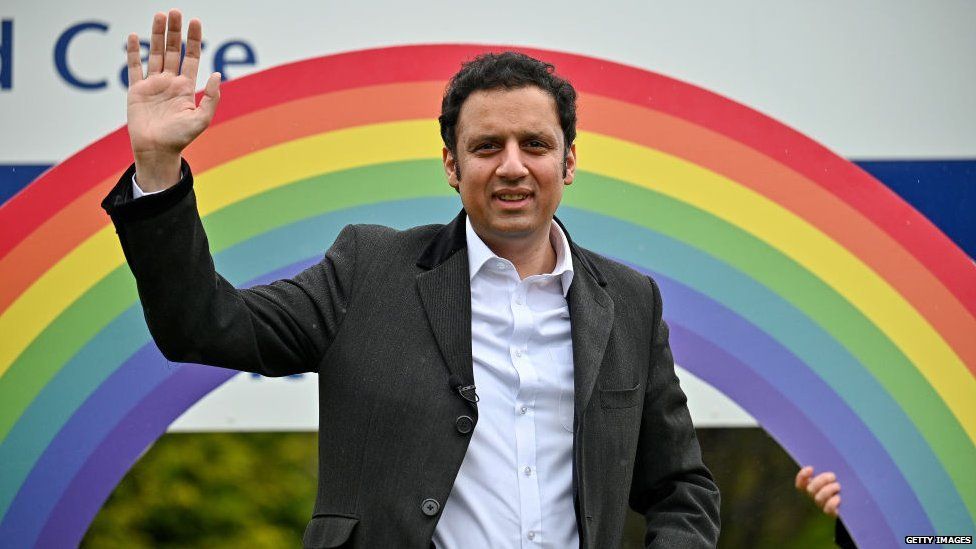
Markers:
(760, 505)
(213, 490)
(257, 490)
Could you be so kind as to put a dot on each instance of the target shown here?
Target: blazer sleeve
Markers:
(671, 486)
(195, 315)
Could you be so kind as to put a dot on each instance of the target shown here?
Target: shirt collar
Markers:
(479, 253)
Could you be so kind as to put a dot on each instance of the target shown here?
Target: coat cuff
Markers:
(122, 208)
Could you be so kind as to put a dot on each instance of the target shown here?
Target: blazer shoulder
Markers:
(630, 290)
(381, 233)
(381, 241)
(619, 277)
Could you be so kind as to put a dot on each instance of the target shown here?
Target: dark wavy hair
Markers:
(508, 70)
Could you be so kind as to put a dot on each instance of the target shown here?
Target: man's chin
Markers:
(514, 231)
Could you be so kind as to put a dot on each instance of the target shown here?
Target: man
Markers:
(485, 383)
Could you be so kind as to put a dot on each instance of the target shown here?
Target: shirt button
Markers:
(430, 507)
(518, 300)
(527, 471)
(518, 352)
(531, 535)
(523, 410)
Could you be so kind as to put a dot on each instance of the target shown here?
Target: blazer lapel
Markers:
(445, 291)
(591, 317)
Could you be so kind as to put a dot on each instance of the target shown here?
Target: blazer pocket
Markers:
(621, 398)
(328, 531)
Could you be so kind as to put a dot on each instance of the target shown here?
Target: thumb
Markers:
(211, 97)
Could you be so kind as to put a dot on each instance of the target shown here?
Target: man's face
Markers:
(510, 157)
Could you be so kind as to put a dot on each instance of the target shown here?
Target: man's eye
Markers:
(536, 144)
(485, 147)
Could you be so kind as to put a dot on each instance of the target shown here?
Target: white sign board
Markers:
(874, 79)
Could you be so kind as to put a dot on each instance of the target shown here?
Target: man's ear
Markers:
(450, 168)
(569, 165)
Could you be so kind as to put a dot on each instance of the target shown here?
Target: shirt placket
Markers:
(525, 425)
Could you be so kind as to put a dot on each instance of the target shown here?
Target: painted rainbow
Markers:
(796, 284)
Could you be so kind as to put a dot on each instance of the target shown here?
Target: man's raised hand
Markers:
(163, 117)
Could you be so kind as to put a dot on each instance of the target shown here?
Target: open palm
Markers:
(163, 117)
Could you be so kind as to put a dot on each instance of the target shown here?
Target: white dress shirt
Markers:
(515, 487)
(137, 191)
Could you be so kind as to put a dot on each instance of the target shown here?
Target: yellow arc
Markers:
(261, 171)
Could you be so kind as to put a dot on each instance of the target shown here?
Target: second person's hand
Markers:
(823, 489)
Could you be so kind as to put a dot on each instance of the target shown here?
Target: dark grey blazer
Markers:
(385, 321)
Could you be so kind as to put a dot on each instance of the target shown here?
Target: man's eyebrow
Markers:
(482, 137)
(545, 136)
(522, 136)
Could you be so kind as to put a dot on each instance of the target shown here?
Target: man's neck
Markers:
(531, 256)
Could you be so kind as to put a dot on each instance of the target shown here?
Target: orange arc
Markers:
(419, 100)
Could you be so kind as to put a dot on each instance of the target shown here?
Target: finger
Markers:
(194, 39)
(156, 43)
(174, 42)
(832, 505)
(803, 477)
(133, 59)
(211, 97)
(819, 482)
(826, 493)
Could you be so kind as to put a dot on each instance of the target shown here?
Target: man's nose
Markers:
(511, 165)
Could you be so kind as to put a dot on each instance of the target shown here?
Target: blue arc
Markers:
(277, 248)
